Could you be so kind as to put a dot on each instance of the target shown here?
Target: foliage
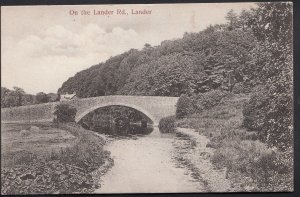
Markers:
(18, 97)
(248, 162)
(167, 124)
(188, 105)
(65, 112)
(232, 17)
(268, 170)
(40, 178)
(254, 118)
(208, 99)
(273, 28)
(197, 63)
(184, 106)
(41, 97)
(12, 98)
(88, 153)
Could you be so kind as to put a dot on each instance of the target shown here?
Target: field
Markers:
(40, 140)
(43, 158)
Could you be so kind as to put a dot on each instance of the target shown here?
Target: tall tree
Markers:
(232, 17)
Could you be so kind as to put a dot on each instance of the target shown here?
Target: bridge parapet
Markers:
(155, 107)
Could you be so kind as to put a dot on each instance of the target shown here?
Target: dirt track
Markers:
(145, 165)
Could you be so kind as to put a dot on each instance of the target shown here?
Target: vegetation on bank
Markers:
(251, 165)
(196, 103)
(67, 169)
(167, 124)
(252, 133)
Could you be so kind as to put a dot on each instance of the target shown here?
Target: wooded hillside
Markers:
(198, 62)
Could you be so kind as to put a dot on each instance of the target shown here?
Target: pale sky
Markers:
(42, 46)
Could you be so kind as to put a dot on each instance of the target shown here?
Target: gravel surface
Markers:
(146, 164)
(193, 154)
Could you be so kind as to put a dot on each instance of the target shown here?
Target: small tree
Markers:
(65, 113)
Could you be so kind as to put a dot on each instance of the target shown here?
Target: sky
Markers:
(42, 46)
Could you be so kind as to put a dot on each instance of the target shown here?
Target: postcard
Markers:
(147, 98)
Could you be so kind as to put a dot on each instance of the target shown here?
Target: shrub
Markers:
(271, 114)
(65, 113)
(254, 114)
(167, 125)
(209, 99)
(188, 105)
(184, 106)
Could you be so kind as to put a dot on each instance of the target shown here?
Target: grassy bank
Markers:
(247, 162)
(42, 158)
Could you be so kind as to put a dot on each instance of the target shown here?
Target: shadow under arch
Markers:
(80, 115)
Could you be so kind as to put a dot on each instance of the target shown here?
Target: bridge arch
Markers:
(83, 113)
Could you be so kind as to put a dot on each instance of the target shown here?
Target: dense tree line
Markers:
(198, 62)
(229, 56)
(18, 97)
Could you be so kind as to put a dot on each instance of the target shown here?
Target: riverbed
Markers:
(145, 164)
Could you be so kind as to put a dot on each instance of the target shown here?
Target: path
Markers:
(145, 165)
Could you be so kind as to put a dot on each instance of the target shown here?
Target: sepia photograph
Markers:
(147, 98)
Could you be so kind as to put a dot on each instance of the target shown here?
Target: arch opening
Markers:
(116, 120)
(81, 115)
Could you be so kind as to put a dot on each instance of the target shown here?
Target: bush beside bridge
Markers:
(167, 124)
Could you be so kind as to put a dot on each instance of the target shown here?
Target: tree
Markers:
(147, 46)
(244, 19)
(273, 22)
(65, 113)
(19, 92)
(41, 97)
(273, 28)
(232, 18)
(4, 94)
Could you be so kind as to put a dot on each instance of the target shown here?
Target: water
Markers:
(128, 130)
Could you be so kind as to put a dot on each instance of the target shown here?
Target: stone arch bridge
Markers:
(154, 107)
